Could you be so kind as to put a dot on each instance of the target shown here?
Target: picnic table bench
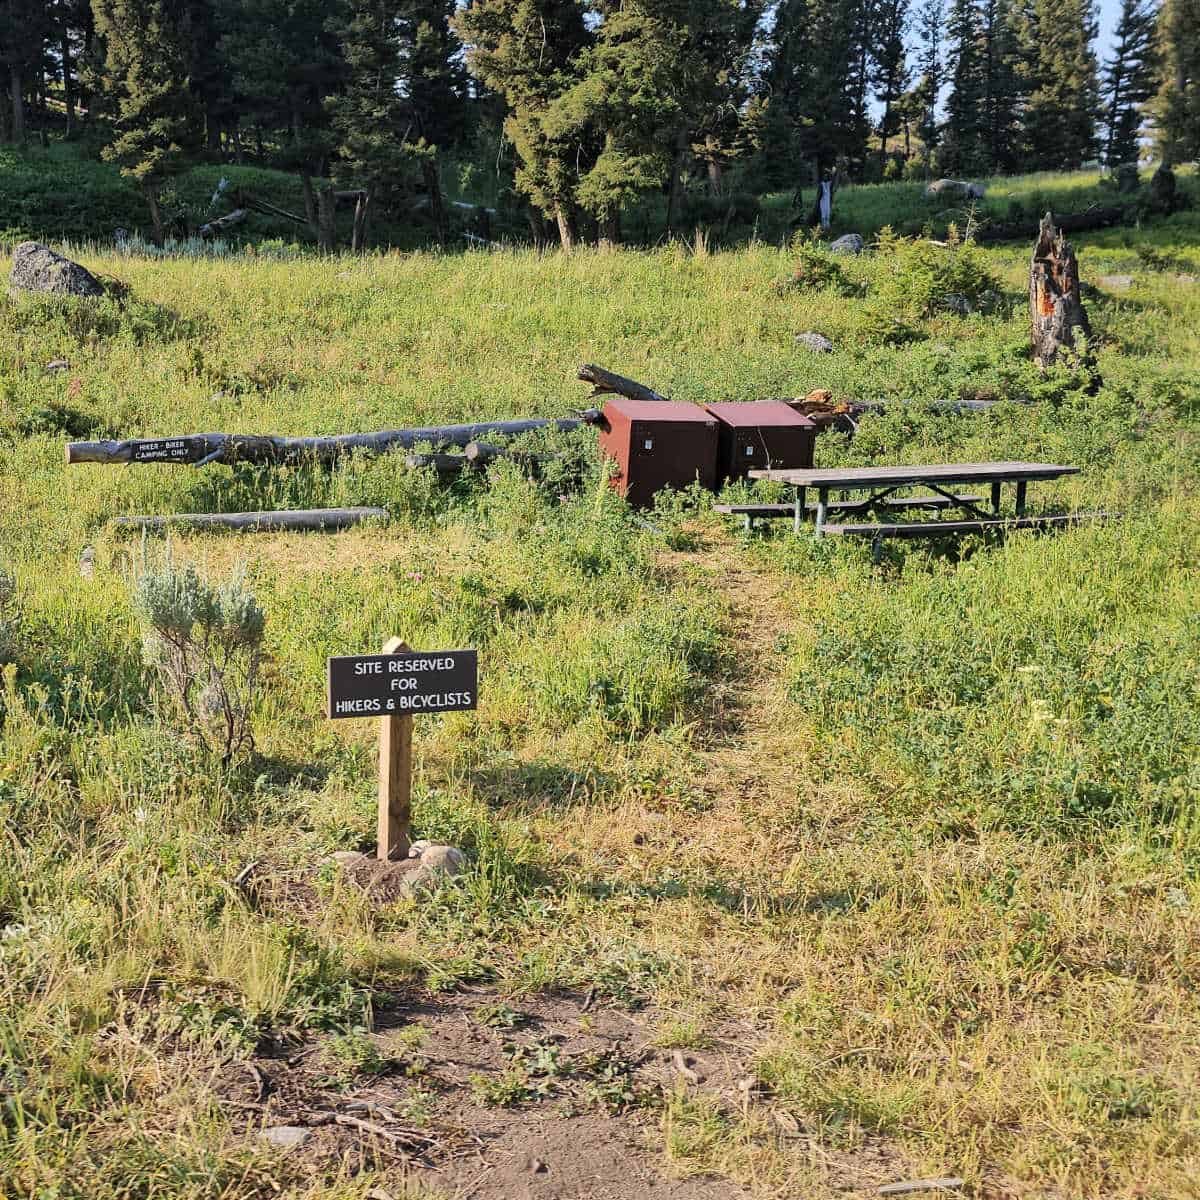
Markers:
(882, 485)
(752, 512)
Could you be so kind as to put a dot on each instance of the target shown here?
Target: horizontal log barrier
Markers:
(199, 449)
(295, 520)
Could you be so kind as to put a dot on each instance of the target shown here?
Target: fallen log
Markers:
(479, 454)
(220, 224)
(443, 464)
(957, 407)
(605, 383)
(1096, 217)
(256, 204)
(199, 449)
(303, 519)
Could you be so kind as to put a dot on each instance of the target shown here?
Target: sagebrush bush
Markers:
(206, 643)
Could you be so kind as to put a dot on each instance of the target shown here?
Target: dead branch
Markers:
(605, 382)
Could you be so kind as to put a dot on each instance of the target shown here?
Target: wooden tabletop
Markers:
(867, 477)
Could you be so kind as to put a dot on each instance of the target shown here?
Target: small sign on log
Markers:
(163, 450)
(392, 686)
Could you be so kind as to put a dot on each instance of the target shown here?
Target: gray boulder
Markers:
(848, 243)
(36, 268)
(1115, 283)
(954, 189)
(957, 303)
(818, 343)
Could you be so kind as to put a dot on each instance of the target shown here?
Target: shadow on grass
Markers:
(736, 900)
(539, 784)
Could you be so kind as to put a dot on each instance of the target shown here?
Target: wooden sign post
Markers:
(395, 777)
(393, 685)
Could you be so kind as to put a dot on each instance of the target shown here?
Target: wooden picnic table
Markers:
(883, 482)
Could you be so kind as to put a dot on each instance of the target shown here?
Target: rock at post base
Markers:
(848, 243)
(36, 268)
(428, 866)
(286, 1137)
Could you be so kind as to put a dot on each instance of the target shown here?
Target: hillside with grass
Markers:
(789, 874)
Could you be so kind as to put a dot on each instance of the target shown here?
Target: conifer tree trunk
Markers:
(326, 225)
(566, 226)
(310, 204)
(433, 188)
(156, 220)
(68, 83)
(610, 229)
(675, 194)
(358, 239)
(16, 88)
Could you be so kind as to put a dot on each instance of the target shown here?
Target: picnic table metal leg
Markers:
(822, 509)
(1021, 485)
(798, 517)
(996, 497)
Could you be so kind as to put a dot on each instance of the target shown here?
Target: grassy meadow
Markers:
(923, 838)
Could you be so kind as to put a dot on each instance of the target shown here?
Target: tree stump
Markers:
(1056, 310)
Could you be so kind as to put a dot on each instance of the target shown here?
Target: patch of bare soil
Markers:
(478, 1098)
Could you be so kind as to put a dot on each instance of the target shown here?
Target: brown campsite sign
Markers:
(393, 686)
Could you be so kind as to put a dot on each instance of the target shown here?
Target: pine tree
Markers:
(24, 26)
(930, 25)
(663, 77)
(527, 51)
(964, 149)
(155, 122)
(891, 74)
(810, 85)
(283, 60)
(433, 81)
(1003, 85)
(1130, 80)
(1064, 90)
(1177, 105)
(69, 40)
(369, 120)
(206, 68)
(864, 22)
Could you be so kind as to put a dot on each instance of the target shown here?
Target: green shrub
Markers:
(914, 277)
(817, 269)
